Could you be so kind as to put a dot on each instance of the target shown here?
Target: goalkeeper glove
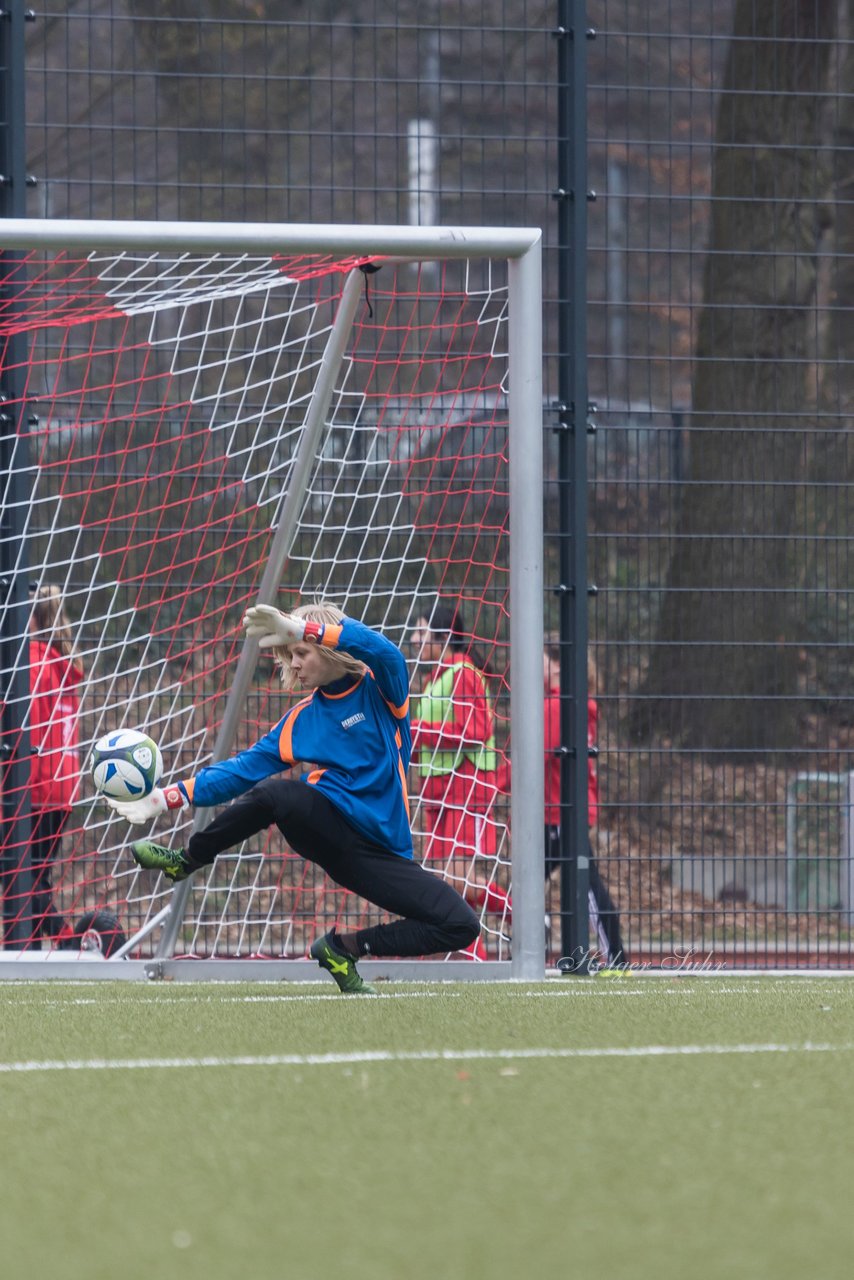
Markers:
(273, 629)
(160, 800)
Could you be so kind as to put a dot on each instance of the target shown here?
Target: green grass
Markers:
(331, 1164)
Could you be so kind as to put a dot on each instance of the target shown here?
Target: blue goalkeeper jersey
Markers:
(355, 732)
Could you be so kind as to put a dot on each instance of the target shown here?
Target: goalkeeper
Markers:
(350, 816)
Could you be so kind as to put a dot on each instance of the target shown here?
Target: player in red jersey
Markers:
(604, 915)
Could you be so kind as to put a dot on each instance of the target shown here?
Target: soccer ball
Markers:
(126, 764)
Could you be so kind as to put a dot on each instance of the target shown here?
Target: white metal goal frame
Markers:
(520, 248)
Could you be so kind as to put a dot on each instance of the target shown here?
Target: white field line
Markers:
(622, 989)
(569, 991)
(746, 980)
(330, 994)
(420, 1055)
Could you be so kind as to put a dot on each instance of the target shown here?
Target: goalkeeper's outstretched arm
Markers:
(215, 784)
(274, 630)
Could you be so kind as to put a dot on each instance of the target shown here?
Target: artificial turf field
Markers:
(640, 1127)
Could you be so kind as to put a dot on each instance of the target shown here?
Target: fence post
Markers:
(15, 466)
(572, 196)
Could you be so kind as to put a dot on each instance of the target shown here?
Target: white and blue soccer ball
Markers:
(126, 764)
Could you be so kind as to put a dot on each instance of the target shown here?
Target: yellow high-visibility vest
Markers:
(436, 706)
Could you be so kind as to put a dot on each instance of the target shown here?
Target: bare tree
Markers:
(722, 672)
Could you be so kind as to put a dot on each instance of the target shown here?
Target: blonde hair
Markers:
(340, 664)
(49, 621)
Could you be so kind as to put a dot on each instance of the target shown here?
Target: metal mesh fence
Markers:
(719, 321)
(720, 477)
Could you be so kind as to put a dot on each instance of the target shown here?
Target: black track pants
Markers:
(435, 917)
(604, 915)
(35, 913)
(45, 844)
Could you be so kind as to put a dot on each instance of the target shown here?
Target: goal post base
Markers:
(308, 971)
(97, 969)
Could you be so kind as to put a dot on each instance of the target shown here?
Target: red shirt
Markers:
(468, 723)
(447, 753)
(54, 734)
(552, 760)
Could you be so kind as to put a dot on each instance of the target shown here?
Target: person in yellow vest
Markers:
(454, 754)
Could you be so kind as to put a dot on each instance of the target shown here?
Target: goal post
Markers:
(225, 414)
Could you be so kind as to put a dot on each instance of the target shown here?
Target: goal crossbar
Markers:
(245, 237)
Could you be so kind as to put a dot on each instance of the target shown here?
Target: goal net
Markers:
(190, 430)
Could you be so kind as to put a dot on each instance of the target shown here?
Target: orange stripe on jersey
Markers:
(314, 775)
(345, 692)
(286, 750)
(189, 785)
(402, 773)
(331, 636)
(397, 712)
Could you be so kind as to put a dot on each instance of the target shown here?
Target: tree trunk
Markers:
(828, 569)
(722, 673)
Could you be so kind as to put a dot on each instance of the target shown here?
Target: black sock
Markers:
(336, 942)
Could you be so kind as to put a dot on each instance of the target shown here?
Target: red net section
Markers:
(165, 399)
(38, 292)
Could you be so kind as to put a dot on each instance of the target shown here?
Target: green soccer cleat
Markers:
(341, 965)
(174, 863)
